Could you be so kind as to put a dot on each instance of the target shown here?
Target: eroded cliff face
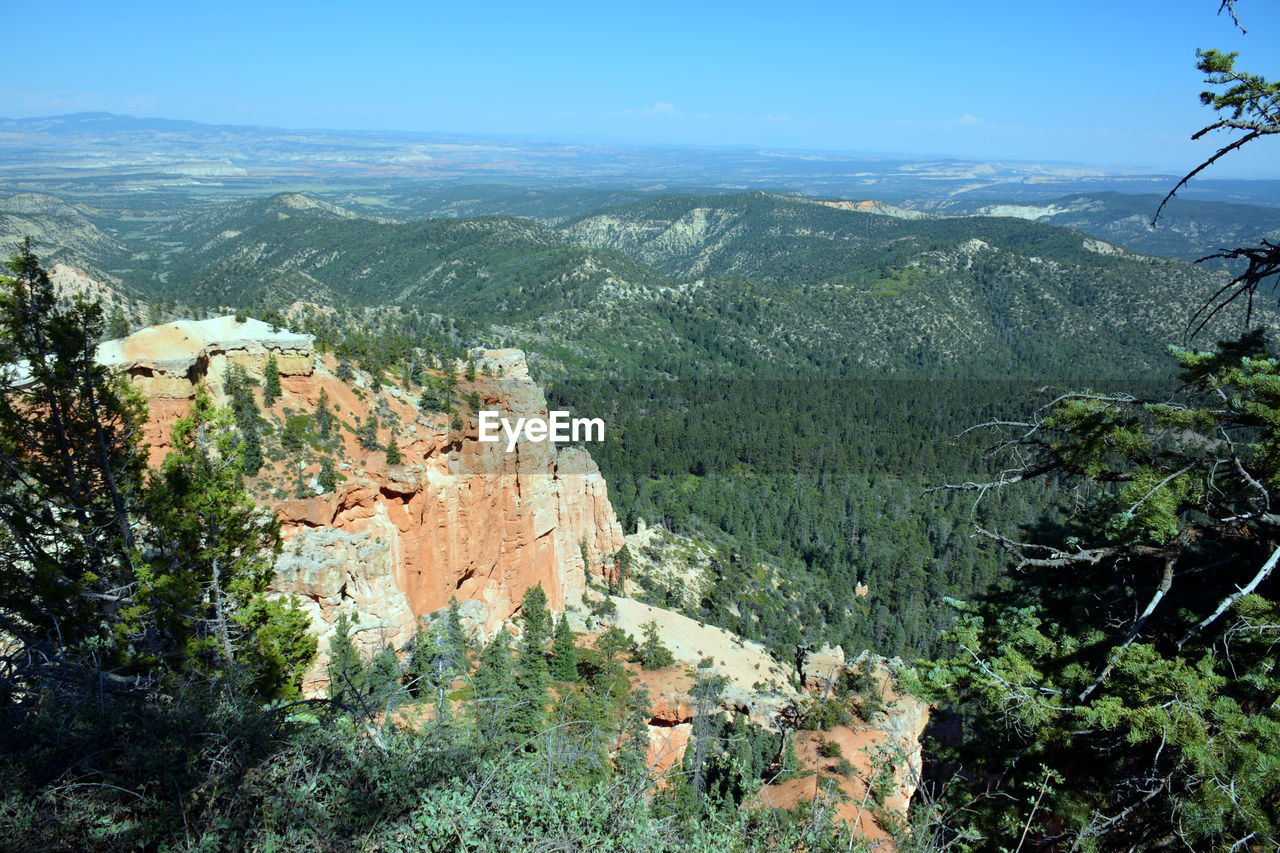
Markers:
(458, 518)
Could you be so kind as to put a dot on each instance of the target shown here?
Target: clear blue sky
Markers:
(1093, 82)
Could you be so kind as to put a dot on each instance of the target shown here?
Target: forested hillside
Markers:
(813, 480)
(809, 490)
(688, 285)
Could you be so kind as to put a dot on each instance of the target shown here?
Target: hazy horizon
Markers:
(1095, 85)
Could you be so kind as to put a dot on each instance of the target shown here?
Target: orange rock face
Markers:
(667, 745)
(466, 518)
(459, 518)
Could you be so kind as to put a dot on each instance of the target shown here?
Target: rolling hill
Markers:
(689, 285)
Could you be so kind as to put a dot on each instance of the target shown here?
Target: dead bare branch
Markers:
(1222, 152)
(1231, 599)
(1166, 581)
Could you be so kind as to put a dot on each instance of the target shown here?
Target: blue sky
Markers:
(1093, 82)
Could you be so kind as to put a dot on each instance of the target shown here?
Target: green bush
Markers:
(830, 749)
(826, 714)
(652, 654)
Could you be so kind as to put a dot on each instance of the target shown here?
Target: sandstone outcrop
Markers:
(757, 684)
(880, 742)
(459, 518)
(167, 360)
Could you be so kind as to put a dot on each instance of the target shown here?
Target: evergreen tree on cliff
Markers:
(394, 456)
(367, 433)
(422, 669)
(324, 417)
(328, 476)
(346, 672)
(564, 652)
(632, 758)
(238, 385)
(271, 382)
(531, 676)
(651, 653)
(383, 677)
(213, 546)
(455, 640)
(73, 467)
(492, 691)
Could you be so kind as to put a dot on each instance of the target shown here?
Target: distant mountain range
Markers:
(1186, 229)
(107, 151)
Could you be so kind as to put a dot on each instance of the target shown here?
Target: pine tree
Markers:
(172, 575)
(706, 693)
(564, 652)
(491, 689)
(117, 324)
(251, 460)
(422, 671)
(789, 761)
(577, 747)
(73, 469)
(382, 680)
(531, 676)
(271, 382)
(612, 644)
(652, 654)
(324, 417)
(238, 385)
(622, 563)
(282, 645)
(206, 534)
(456, 643)
(1139, 629)
(328, 477)
(394, 456)
(633, 750)
(535, 621)
(427, 401)
(294, 435)
(346, 671)
(367, 433)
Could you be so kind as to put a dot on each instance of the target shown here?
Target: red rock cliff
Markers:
(459, 518)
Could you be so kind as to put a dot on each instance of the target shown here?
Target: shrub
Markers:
(826, 714)
(652, 654)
